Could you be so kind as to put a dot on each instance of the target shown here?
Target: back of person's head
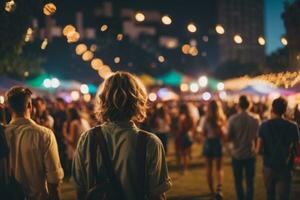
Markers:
(19, 99)
(73, 114)
(122, 98)
(279, 106)
(244, 102)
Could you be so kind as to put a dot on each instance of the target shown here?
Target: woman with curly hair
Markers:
(121, 103)
(213, 131)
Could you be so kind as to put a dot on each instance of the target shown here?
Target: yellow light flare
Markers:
(161, 59)
(193, 51)
(49, 9)
(140, 17)
(184, 87)
(238, 39)
(44, 44)
(93, 47)
(68, 29)
(73, 37)
(284, 41)
(105, 72)
(117, 60)
(261, 41)
(10, 6)
(80, 49)
(87, 56)
(97, 63)
(166, 20)
(28, 34)
(103, 28)
(220, 29)
(191, 27)
(185, 48)
(120, 37)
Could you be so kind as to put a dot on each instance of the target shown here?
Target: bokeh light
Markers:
(152, 96)
(185, 48)
(117, 60)
(80, 49)
(87, 56)
(220, 29)
(284, 41)
(140, 17)
(96, 63)
(161, 59)
(220, 86)
(194, 87)
(203, 81)
(55, 83)
(238, 39)
(103, 28)
(191, 28)
(184, 87)
(166, 20)
(10, 6)
(75, 95)
(49, 9)
(261, 41)
(206, 96)
(84, 89)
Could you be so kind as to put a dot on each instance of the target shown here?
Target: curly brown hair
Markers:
(122, 97)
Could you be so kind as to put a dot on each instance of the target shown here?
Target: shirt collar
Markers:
(123, 125)
(21, 120)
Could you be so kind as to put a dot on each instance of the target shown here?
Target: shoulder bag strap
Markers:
(141, 161)
(107, 163)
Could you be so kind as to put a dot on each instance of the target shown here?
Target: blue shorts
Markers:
(212, 148)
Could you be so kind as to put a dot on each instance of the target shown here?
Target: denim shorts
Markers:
(212, 148)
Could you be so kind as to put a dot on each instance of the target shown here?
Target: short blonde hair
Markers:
(122, 97)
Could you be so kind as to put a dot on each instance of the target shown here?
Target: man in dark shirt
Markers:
(277, 139)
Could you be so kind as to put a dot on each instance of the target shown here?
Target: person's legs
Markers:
(186, 159)
(250, 173)
(283, 185)
(270, 182)
(237, 166)
(220, 174)
(209, 168)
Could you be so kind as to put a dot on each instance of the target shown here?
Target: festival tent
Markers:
(173, 78)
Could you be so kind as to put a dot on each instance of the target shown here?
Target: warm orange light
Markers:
(284, 41)
(261, 41)
(104, 27)
(185, 48)
(220, 29)
(238, 39)
(80, 49)
(96, 63)
(140, 17)
(192, 28)
(166, 20)
(49, 9)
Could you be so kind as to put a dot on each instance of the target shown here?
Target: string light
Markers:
(96, 63)
(140, 17)
(185, 48)
(120, 37)
(49, 9)
(284, 41)
(44, 44)
(80, 49)
(104, 27)
(184, 87)
(193, 51)
(220, 29)
(166, 20)
(191, 28)
(161, 59)
(87, 56)
(117, 60)
(93, 47)
(28, 34)
(68, 29)
(10, 6)
(261, 41)
(238, 39)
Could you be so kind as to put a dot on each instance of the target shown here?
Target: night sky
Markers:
(274, 27)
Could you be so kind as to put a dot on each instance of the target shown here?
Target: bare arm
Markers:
(54, 191)
(259, 146)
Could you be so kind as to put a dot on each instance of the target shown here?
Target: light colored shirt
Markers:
(121, 139)
(34, 157)
(243, 131)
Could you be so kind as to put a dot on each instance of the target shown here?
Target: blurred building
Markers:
(243, 17)
(291, 18)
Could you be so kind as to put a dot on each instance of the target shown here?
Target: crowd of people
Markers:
(51, 141)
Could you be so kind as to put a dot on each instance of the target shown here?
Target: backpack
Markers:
(10, 188)
(110, 188)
